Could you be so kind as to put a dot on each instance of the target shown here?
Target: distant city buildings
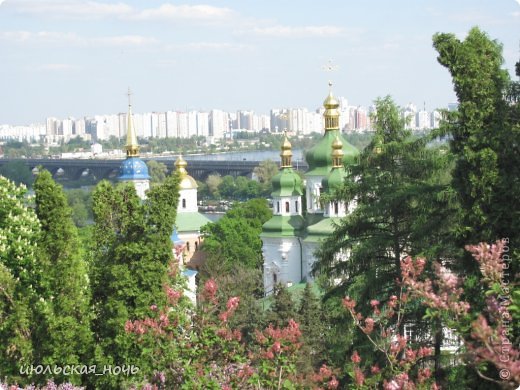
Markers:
(215, 125)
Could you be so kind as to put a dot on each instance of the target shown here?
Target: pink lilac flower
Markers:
(358, 376)
(333, 383)
(369, 325)
(349, 303)
(356, 359)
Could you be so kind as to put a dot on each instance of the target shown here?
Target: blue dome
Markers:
(133, 168)
(175, 239)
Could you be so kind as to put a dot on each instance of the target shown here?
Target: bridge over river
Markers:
(98, 169)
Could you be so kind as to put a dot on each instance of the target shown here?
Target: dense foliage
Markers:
(63, 332)
(131, 250)
(234, 239)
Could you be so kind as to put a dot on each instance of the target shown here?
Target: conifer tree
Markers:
(63, 335)
(401, 194)
(312, 324)
(403, 207)
(283, 308)
(485, 139)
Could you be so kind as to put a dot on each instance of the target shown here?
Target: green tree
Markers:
(213, 182)
(484, 137)
(63, 335)
(239, 281)
(264, 172)
(234, 239)
(20, 279)
(400, 194)
(157, 170)
(131, 251)
(283, 308)
(403, 208)
(227, 187)
(313, 325)
(80, 201)
(485, 134)
(17, 171)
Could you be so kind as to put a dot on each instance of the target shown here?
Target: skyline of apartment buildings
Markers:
(214, 125)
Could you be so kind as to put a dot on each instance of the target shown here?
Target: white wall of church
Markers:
(335, 209)
(309, 258)
(287, 205)
(188, 201)
(313, 191)
(282, 261)
(141, 186)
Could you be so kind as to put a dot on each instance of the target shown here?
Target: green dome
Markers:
(333, 180)
(319, 157)
(287, 183)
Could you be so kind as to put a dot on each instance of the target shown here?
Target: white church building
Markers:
(301, 219)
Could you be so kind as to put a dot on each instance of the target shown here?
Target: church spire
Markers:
(131, 147)
(331, 114)
(286, 153)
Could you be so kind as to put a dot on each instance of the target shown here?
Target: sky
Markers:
(72, 58)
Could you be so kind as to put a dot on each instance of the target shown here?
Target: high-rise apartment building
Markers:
(182, 125)
(172, 124)
(218, 125)
(203, 124)
(435, 119)
(422, 120)
(161, 125)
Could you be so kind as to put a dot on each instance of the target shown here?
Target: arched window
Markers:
(336, 208)
(286, 207)
(183, 203)
(188, 246)
(196, 245)
(275, 279)
(277, 207)
(296, 206)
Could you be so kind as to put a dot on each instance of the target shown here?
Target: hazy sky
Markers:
(77, 58)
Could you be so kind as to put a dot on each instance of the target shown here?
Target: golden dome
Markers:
(331, 114)
(337, 144)
(187, 182)
(330, 102)
(286, 145)
(286, 153)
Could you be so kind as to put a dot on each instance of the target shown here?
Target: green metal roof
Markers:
(287, 183)
(189, 222)
(320, 227)
(319, 157)
(280, 226)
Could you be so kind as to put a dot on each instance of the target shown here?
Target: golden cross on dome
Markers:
(129, 94)
(330, 67)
